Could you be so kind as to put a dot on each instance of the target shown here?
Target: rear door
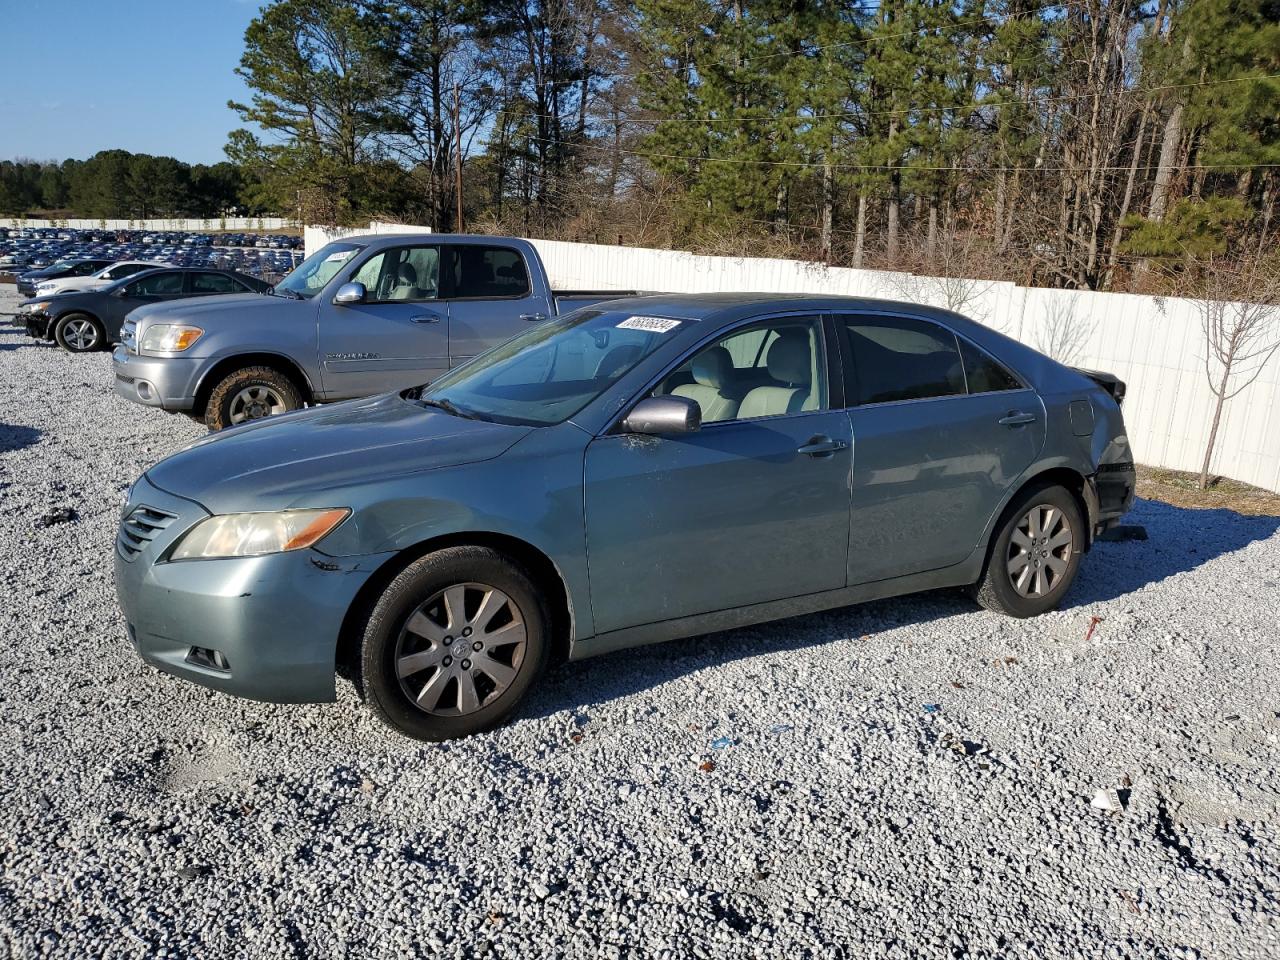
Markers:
(940, 432)
(491, 297)
(398, 337)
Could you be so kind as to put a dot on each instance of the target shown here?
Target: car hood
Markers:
(224, 308)
(307, 458)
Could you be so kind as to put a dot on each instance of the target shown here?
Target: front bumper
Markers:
(265, 628)
(39, 325)
(166, 382)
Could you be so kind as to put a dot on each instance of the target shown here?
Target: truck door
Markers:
(397, 337)
(490, 296)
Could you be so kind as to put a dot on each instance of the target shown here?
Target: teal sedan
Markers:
(632, 472)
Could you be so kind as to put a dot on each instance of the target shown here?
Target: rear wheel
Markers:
(250, 393)
(1035, 554)
(453, 644)
(79, 333)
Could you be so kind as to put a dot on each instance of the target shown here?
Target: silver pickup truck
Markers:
(361, 316)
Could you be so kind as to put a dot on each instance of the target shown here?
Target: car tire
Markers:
(1034, 555)
(250, 393)
(435, 672)
(79, 333)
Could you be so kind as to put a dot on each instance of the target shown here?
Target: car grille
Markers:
(139, 528)
(129, 335)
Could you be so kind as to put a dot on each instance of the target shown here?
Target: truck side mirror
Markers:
(350, 293)
(664, 415)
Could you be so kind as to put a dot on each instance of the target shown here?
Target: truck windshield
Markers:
(313, 273)
(549, 373)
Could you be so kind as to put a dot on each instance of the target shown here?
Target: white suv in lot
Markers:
(95, 281)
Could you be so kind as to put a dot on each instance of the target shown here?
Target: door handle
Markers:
(425, 318)
(1017, 419)
(533, 317)
(821, 446)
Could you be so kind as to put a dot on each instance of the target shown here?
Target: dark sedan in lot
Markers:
(631, 472)
(90, 319)
(63, 268)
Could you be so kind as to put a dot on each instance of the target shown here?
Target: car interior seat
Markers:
(790, 362)
(713, 386)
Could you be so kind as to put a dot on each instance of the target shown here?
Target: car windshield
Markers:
(549, 373)
(313, 273)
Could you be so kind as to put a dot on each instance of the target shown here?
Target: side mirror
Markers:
(350, 293)
(663, 415)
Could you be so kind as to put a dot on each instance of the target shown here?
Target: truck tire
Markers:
(79, 333)
(250, 393)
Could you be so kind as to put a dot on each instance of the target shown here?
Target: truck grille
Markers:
(139, 528)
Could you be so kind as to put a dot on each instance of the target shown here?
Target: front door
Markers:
(753, 507)
(490, 298)
(940, 431)
(149, 288)
(398, 337)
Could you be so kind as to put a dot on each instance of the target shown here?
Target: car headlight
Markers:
(37, 307)
(255, 534)
(169, 337)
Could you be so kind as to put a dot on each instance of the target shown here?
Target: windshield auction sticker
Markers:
(338, 255)
(649, 324)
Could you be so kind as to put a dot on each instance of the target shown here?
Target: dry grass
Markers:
(1179, 489)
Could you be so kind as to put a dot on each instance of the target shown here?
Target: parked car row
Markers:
(514, 480)
(27, 250)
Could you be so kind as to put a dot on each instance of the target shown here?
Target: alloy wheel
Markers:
(80, 334)
(1039, 551)
(254, 403)
(461, 649)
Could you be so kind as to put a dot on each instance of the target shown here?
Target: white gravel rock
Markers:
(142, 816)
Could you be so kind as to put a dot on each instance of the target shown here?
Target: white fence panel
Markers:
(1155, 345)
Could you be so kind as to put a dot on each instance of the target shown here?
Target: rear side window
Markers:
(155, 285)
(984, 373)
(899, 358)
(214, 283)
(487, 272)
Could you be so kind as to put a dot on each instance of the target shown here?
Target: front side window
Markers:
(900, 358)
(84, 269)
(155, 285)
(487, 272)
(550, 372)
(124, 270)
(765, 370)
(314, 273)
(401, 274)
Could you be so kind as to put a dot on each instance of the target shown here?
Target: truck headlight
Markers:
(169, 337)
(255, 534)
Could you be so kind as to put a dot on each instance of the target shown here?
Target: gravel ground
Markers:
(780, 791)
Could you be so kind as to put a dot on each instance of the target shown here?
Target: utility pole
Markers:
(457, 140)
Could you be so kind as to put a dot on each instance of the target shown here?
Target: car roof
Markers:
(729, 307)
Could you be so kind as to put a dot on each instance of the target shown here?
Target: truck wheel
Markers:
(250, 393)
(453, 644)
(79, 333)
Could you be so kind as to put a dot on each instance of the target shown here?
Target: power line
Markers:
(625, 75)
(908, 111)
(903, 167)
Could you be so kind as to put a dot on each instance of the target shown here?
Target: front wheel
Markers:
(453, 644)
(250, 393)
(1035, 554)
(79, 333)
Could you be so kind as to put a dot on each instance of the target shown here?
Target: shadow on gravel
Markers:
(1180, 540)
(17, 346)
(14, 437)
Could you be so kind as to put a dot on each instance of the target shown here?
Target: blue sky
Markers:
(151, 76)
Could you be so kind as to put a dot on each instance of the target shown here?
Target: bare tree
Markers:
(950, 275)
(1064, 333)
(1240, 317)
